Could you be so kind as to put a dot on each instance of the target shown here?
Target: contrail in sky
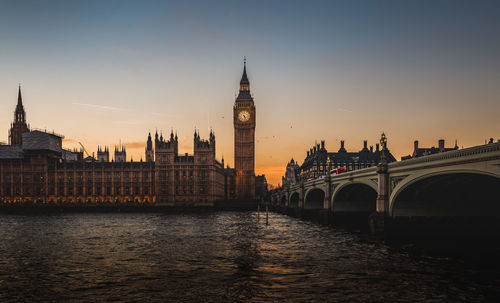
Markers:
(100, 106)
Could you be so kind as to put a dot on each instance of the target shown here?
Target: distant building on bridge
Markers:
(291, 176)
(320, 162)
(425, 151)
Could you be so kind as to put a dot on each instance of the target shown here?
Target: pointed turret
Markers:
(149, 148)
(19, 114)
(19, 125)
(149, 144)
(19, 97)
(196, 139)
(244, 93)
(244, 83)
(212, 136)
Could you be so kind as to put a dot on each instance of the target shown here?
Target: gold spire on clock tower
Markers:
(244, 140)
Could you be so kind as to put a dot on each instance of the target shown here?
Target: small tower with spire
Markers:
(102, 154)
(19, 126)
(165, 150)
(120, 154)
(149, 149)
(204, 150)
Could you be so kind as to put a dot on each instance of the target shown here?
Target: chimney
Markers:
(371, 148)
(415, 145)
(342, 149)
(441, 145)
(365, 144)
(377, 147)
(322, 144)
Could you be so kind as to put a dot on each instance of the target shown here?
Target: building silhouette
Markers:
(424, 151)
(292, 172)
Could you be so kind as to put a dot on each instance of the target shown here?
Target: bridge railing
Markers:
(459, 153)
(345, 175)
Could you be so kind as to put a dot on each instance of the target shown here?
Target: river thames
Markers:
(219, 257)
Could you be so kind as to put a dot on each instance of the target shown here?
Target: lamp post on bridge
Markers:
(377, 219)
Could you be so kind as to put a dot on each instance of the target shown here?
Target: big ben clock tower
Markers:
(244, 140)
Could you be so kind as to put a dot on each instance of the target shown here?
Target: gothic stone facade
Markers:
(41, 171)
(36, 169)
(37, 172)
(188, 180)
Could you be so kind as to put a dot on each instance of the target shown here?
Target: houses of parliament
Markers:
(35, 168)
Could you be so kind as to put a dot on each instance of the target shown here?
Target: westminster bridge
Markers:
(460, 183)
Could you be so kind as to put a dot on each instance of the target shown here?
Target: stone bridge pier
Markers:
(377, 219)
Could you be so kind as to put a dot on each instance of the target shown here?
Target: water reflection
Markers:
(217, 257)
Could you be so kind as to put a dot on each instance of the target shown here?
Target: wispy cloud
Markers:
(101, 106)
(344, 110)
(130, 122)
(68, 140)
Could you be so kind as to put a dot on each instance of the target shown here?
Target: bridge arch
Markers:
(458, 193)
(355, 197)
(314, 198)
(294, 200)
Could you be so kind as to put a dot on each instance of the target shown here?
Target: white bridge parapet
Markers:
(476, 153)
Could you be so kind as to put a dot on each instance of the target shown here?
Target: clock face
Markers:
(244, 116)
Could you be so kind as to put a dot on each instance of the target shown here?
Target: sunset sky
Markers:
(105, 72)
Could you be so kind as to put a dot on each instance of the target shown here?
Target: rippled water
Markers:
(217, 257)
